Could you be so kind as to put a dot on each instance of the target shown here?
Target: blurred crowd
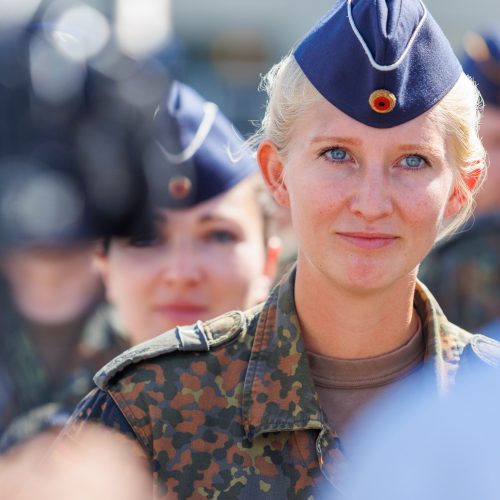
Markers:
(116, 224)
(114, 227)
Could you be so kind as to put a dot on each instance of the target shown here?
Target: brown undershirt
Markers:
(344, 386)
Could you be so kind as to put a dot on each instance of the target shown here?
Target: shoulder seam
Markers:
(201, 337)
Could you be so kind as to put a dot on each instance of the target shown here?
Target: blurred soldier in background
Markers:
(212, 247)
(464, 272)
(71, 142)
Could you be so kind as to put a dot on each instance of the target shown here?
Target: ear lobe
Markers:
(272, 169)
(455, 203)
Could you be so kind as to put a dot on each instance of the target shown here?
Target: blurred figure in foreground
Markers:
(463, 272)
(411, 445)
(83, 471)
(211, 249)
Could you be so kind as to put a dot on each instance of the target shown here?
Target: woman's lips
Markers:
(369, 241)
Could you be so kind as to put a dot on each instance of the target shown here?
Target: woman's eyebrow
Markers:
(353, 141)
(425, 148)
(212, 217)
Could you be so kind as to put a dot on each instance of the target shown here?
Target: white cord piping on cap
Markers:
(210, 112)
(374, 64)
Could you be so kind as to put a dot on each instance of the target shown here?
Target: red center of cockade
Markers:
(179, 187)
(382, 103)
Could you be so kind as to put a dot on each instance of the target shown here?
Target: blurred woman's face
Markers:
(202, 262)
(52, 285)
(366, 203)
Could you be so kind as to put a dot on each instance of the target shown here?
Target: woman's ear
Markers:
(272, 169)
(455, 203)
(457, 198)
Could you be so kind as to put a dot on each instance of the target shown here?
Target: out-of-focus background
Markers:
(227, 43)
(222, 46)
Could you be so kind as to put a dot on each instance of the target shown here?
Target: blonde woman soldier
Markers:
(370, 140)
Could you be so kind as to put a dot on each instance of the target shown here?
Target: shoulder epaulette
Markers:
(202, 336)
(486, 349)
(480, 354)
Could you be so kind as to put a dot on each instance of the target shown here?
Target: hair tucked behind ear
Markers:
(458, 114)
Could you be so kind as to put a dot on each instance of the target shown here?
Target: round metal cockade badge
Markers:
(179, 186)
(382, 101)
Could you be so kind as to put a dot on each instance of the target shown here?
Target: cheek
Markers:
(311, 204)
(233, 272)
(426, 208)
(239, 262)
(129, 282)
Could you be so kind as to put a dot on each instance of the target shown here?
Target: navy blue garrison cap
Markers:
(382, 62)
(197, 154)
(482, 62)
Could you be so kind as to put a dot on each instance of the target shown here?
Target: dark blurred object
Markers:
(74, 121)
(464, 275)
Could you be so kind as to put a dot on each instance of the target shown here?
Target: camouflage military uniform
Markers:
(29, 402)
(233, 413)
(463, 274)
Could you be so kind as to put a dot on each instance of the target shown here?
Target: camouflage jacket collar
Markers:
(279, 392)
(445, 341)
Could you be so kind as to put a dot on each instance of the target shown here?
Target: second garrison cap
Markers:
(482, 62)
(197, 154)
(382, 62)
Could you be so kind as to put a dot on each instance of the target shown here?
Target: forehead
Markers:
(237, 204)
(323, 120)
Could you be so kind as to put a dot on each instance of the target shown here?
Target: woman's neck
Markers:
(341, 323)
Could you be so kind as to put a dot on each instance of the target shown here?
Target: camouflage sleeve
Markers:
(98, 407)
(98, 429)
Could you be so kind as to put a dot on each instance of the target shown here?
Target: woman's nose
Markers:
(371, 198)
(182, 265)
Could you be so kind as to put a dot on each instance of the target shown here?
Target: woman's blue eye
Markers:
(337, 154)
(413, 162)
(146, 240)
(222, 236)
